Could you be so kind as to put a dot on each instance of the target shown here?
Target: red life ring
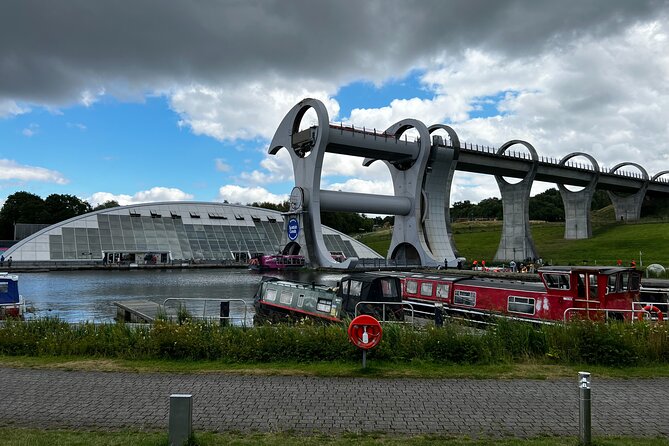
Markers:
(651, 308)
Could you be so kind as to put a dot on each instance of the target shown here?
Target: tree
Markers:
(547, 206)
(60, 207)
(106, 205)
(21, 207)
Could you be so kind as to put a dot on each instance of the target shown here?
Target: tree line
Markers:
(25, 207)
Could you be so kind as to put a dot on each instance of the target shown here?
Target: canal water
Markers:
(80, 296)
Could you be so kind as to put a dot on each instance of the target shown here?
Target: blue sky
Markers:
(182, 104)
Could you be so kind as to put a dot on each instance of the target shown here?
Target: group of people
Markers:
(632, 263)
(2, 261)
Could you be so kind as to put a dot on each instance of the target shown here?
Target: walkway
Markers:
(522, 408)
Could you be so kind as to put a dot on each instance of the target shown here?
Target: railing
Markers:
(183, 300)
(609, 313)
(383, 305)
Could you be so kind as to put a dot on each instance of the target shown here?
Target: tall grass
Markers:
(579, 342)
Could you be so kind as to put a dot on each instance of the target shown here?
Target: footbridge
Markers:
(422, 170)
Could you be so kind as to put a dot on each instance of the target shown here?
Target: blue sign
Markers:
(293, 229)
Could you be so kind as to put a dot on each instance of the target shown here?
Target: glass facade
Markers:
(164, 232)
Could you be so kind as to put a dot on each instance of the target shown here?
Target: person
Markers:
(9, 262)
(632, 263)
(512, 264)
(2, 260)
(445, 263)
(483, 265)
(459, 264)
(619, 262)
(475, 264)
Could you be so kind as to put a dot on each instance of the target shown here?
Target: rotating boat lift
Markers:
(421, 170)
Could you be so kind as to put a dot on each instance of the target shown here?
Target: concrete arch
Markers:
(659, 174)
(628, 208)
(577, 203)
(516, 242)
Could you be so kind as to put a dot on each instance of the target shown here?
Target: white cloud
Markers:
(245, 195)
(31, 130)
(11, 170)
(247, 110)
(155, 194)
(9, 107)
(221, 165)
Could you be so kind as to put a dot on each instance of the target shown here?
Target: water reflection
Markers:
(78, 296)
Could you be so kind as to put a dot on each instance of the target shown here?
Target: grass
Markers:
(610, 241)
(35, 437)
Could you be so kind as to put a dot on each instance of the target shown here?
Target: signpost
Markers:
(293, 229)
(365, 332)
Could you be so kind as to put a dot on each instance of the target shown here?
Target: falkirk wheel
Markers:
(421, 171)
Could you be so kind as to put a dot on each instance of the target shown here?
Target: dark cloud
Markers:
(52, 51)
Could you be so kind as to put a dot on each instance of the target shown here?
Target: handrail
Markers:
(606, 311)
(383, 305)
(204, 307)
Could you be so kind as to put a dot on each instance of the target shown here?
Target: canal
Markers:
(80, 296)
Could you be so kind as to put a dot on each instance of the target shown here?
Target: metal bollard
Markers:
(438, 315)
(584, 420)
(181, 419)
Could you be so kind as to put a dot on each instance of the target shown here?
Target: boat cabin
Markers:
(11, 302)
(563, 292)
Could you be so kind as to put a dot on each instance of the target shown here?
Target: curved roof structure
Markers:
(169, 231)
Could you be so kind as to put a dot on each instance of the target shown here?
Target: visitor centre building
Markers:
(167, 232)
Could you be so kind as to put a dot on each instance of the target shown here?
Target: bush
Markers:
(579, 342)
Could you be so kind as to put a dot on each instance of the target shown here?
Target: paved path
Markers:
(222, 402)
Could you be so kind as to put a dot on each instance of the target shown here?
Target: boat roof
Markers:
(576, 269)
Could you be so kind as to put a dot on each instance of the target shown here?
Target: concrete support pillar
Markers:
(577, 204)
(516, 242)
(181, 419)
(628, 208)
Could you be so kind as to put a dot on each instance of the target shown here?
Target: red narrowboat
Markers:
(563, 293)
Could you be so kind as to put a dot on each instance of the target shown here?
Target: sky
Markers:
(140, 101)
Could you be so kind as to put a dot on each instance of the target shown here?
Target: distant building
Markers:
(169, 231)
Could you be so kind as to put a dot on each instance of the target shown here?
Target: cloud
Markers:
(219, 43)
(221, 165)
(246, 195)
(247, 110)
(11, 170)
(31, 130)
(11, 108)
(155, 194)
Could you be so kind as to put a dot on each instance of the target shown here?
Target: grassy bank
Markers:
(33, 437)
(479, 240)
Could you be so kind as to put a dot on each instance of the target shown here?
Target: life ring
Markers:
(651, 308)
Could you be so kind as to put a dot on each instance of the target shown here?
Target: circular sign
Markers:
(296, 199)
(365, 332)
(293, 229)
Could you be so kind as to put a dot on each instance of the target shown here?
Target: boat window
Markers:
(611, 283)
(635, 282)
(356, 288)
(388, 288)
(324, 305)
(286, 297)
(557, 281)
(592, 279)
(523, 305)
(271, 295)
(442, 290)
(426, 289)
(624, 279)
(464, 297)
(300, 300)
(344, 287)
(412, 286)
(4, 287)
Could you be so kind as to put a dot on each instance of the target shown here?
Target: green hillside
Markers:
(479, 241)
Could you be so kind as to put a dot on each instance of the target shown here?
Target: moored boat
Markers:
(12, 304)
(563, 293)
(262, 262)
(362, 293)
